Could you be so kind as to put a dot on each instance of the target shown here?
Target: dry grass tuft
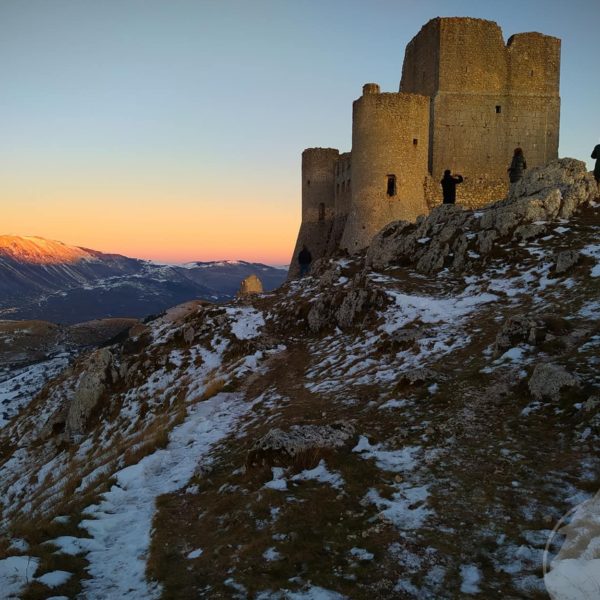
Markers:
(214, 385)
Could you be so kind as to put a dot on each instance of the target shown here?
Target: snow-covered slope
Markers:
(414, 429)
(44, 279)
(40, 251)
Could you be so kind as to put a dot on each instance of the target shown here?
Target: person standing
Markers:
(449, 184)
(517, 166)
(304, 260)
(596, 155)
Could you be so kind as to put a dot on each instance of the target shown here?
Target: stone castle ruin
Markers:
(466, 100)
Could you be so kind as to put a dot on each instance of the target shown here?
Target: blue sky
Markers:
(201, 109)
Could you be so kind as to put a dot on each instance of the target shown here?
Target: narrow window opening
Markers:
(343, 186)
(531, 74)
(415, 141)
(337, 189)
(321, 211)
(391, 185)
(308, 182)
(498, 109)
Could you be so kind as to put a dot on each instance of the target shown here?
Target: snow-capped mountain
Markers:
(53, 281)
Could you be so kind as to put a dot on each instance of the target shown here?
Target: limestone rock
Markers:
(427, 243)
(529, 231)
(516, 330)
(188, 335)
(419, 375)
(77, 395)
(331, 275)
(390, 243)
(358, 299)
(319, 315)
(591, 404)
(91, 386)
(434, 258)
(404, 338)
(548, 380)
(569, 177)
(300, 438)
(445, 237)
(566, 260)
(251, 285)
(344, 307)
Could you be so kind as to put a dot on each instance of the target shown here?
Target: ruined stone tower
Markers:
(318, 203)
(466, 100)
(389, 161)
(486, 98)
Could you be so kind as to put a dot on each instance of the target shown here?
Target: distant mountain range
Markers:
(49, 280)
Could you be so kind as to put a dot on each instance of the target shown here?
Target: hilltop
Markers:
(408, 422)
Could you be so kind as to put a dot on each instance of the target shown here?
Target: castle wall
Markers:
(420, 69)
(466, 101)
(491, 98)
(318, 203)
(343, 195)
(390, 138)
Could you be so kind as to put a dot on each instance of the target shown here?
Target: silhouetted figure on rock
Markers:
(304, 260)
(596, 155)
(517, 166)
(449, 184)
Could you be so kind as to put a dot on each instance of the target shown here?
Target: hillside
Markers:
(410, 422)
(45, 279)
(33, 352)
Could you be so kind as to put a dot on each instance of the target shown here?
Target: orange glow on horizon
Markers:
(162, 222)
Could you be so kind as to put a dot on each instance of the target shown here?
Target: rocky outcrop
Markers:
(451, 237)
(567, 176)
(249, 286)
(81, 393)
(344, 306)
(91, 385)
(426, 243)
(566, 260)
(301, 438)
(548, 380)
(417, 376)
(516, 330)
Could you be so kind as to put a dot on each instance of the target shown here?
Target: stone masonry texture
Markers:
(466, 100)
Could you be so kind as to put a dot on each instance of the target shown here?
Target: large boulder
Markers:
(345, 306)
(566, 260)
(299, 439)
(429, 243)
(568, 176)
(548, 380)
(91, 385)
(79, 395)
(515, 330)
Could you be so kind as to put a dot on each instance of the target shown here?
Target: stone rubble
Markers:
(301, 438)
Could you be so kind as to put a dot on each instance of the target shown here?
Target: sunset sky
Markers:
(173, 129)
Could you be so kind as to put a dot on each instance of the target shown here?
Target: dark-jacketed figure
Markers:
(304, 260)
(449, 184)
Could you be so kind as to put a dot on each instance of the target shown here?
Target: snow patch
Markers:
(247, 322)
(471, 576)
(122, 521)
